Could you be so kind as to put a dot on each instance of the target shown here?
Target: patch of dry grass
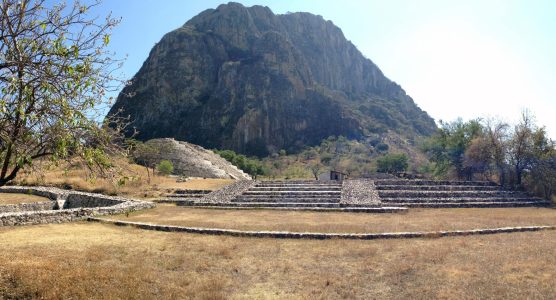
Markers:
(96, 261)
(299, 221)
(10, 198)
(135, 181)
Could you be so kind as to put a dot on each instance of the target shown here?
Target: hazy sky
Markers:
(464, 59)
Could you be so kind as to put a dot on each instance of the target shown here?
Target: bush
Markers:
(165, 167)
(250, 166)
(392, 163)
(382, 147)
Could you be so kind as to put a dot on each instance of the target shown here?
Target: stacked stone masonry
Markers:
(439, 194)
(349, 196)
(65, 206)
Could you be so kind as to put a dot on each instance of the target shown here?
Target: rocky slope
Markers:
(195, 161)
(245, 79)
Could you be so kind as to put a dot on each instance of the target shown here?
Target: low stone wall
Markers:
(322, 236)
(80, 199)
(75, 206)
(229, 192)
(359, 192)
(36, 206)
(42, 191)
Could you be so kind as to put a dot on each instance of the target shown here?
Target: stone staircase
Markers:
(299, 193)
(430, 193)
(183, 195)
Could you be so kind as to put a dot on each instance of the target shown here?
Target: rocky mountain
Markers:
(246, 79)
(195, 161)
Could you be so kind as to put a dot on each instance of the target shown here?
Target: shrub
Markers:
(165, 167)
(392, 163)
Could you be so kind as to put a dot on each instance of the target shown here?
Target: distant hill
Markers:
(245, 79)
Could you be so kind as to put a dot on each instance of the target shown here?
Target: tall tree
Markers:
(521, 145)
(496, 134)
(55, 73)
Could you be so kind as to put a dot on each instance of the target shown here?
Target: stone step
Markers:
(187, 191)
(449, 194)
(291, 188)
(271, 204)
(375, 209)
(299, 182)
(182, 201)
(291, 193)
(297, 185)
(185, 195)
(432, 182)
(293, 196)
(472, 204)
(456, 200)
(438, 187)
(290, 200)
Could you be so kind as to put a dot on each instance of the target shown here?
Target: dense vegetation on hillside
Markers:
(356, 158)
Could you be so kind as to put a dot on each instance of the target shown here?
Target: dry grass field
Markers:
(95, 261)
(136, 182)
(276, 220)
(9, 198)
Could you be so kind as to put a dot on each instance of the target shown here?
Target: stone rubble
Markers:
(359, 192)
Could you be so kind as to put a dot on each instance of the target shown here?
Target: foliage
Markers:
(392, 163)
(447, 147)
(355, 157)
(165, 167)
(520, 158)
(250, 166)
(55, 73)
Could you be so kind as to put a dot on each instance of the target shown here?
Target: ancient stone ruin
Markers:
(64, 206)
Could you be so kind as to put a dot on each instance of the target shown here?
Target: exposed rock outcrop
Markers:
(245, 79)
(195, 161)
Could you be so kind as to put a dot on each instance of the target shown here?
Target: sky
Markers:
(468, 59)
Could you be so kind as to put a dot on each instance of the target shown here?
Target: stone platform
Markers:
(363, 194)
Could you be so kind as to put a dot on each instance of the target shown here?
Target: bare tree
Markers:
(315, 168)
(520, 145)
(55, 73)
(496, 133)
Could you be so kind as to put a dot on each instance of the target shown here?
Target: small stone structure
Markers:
(65, 206)
(333, 175)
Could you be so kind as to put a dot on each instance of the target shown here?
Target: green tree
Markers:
(165, 167)
(250, 166)
(392, 163)
(447, 147)
(543, 163)
(55, 73)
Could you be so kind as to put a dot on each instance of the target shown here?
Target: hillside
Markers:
(246, 79)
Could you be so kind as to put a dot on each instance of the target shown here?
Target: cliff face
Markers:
(249, 80)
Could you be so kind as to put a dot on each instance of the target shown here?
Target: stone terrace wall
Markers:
(229, 192)
(79, 199)
(76, 206)
(36, 206)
